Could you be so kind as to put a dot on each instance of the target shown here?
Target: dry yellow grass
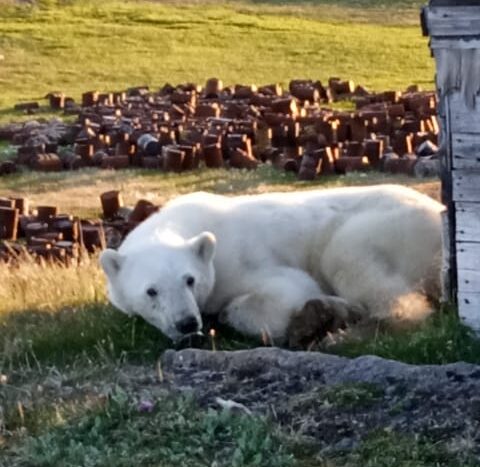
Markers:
(30, 285)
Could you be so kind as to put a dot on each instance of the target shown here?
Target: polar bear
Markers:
(257, 260)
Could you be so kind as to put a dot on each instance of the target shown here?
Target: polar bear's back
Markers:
(286, 213)
(395, 195)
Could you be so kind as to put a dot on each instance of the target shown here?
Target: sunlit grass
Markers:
(112, 45)
(43, 310)
(33, 285)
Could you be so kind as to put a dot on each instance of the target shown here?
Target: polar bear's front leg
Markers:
(269, 299)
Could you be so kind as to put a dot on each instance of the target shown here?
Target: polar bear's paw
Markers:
(321, 317)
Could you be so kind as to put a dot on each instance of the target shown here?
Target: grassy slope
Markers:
(110, 45)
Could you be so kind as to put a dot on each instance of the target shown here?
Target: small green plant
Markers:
(7, 151)
(353, 395)
(342, 396)
(387, 449)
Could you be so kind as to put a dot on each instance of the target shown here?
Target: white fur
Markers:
(378, 248)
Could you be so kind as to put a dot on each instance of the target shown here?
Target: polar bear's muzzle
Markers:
(189, 325)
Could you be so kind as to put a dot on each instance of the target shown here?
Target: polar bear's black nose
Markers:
(187, 325)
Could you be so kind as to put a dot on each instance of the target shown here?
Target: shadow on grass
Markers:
(32, 339)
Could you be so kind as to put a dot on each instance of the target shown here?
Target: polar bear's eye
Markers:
(190, 281)
(151, 292)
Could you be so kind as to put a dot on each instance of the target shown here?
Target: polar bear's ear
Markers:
(204, 246)
(111, 262)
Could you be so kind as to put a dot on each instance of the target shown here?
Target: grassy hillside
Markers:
(111, 44)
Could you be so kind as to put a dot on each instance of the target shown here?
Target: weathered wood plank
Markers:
(453, 21)
(454, 43)
(450, 251)
(467, 222)
(466, 151)
(468, 256)
(446, 272)
(466, 185)
(468, 281)
(463, 119)
(469, 309)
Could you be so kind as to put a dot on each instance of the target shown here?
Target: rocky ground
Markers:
(333, 400)
(332, 403)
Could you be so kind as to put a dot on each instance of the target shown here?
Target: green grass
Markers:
(176, 433)
(441, 339)
(34, 339)
(112, 45)
(7, 151)
(385, 449)
(37, 339)
(353, 395)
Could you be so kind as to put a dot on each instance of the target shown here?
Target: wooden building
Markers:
(454, 30)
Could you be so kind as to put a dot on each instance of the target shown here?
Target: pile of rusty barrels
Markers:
(188, 126)
(46, 234)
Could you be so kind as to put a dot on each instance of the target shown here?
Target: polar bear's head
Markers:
(167, 284)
